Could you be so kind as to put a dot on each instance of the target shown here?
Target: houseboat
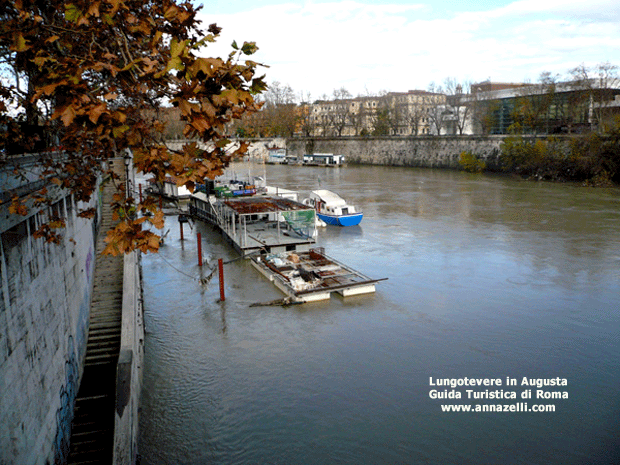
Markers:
(333, 209)
(276, 156)
(278, 234)
(168, 189)
(258, 222)
(323, 159)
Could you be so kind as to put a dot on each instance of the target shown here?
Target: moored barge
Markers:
(258, 223)
(311, 276)
(277, 235)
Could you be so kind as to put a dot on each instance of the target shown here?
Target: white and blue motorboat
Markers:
(333, 209)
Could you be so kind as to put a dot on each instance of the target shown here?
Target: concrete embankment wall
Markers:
(427, 152)
(130, 364)
(45, 303)
(45, 293)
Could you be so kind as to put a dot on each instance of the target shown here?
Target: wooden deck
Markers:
(312, 276)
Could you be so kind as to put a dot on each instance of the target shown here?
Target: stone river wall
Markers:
(425, 151)
(45, 292)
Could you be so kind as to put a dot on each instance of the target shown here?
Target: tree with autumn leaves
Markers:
(90, 77)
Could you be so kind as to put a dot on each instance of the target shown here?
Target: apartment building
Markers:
(395, 113)
(490, 108)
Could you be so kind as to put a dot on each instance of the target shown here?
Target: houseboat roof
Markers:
(256, 205)
(329, 197)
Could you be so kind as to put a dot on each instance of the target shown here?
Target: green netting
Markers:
(302, 222)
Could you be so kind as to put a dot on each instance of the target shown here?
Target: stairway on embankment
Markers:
(92, 434)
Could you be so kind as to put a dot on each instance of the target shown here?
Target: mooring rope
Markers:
(193, 278)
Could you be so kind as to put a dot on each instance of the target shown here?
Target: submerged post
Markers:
(220, 265)
(182, 219)
(140, 188)
(199, 248)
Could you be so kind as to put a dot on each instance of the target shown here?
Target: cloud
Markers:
(320, 46)
(597, 10)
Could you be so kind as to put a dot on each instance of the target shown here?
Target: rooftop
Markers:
(256, 205)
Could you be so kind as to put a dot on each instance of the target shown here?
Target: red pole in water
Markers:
(181, 226)
(140, 187)
(199, 249)
(220, 265)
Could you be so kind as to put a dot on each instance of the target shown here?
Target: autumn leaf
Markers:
(72, 13)
(187, 107)
(203, 65)
(171, 13)
(112, 248)
(120, 116)
(17, 207)
(76, 68)
(96, 112)
(93, 10)
(231, 95)
(19, 43)
(48, 89)
(208, 109)
(115, 6)
(176, 48)
(153, 242)
(57, 223)
(90, 213)
(118, 131)
(151, 65)
(249, 48)
(158, 219)
(67, 115)
(200, 124)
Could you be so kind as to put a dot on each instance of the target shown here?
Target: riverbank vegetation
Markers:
(593, 158)
(471, 163)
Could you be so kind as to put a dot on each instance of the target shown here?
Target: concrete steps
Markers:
(92, 433)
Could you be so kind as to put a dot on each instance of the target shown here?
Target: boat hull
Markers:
(341, 220)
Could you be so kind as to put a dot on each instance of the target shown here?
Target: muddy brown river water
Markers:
(488, 278)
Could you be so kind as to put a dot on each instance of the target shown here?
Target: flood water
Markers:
(488, 277)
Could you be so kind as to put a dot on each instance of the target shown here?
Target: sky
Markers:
(396, 45)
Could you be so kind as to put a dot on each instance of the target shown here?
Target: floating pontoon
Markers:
(312, 276)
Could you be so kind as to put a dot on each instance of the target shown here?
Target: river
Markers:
(489, 277)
